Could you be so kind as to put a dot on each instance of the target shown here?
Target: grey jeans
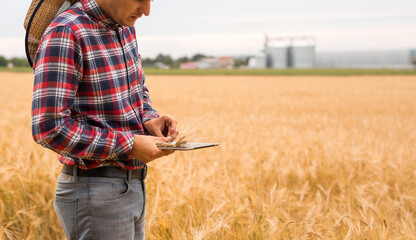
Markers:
(98, 208)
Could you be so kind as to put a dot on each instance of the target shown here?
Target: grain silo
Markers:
(279, 57)
(290, 52)
(302, 57)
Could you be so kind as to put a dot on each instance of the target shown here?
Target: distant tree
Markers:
(177, 63)
(159, 58)
(198, 57)
(169, 61)
(183, 59)
(165, 59)
(148, 62)
(19, 62)
(241, 62)
(3, 61)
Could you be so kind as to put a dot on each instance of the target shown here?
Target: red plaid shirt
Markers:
(89, 95)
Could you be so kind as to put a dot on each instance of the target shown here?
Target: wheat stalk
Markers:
(184, 135)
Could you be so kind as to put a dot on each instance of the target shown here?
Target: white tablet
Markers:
(188, 146)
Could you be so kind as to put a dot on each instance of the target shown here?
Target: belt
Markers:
(111, 172)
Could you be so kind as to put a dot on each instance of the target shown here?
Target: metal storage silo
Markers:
(279, 57)
(302, 57)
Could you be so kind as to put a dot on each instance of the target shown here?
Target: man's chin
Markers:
(129, 23)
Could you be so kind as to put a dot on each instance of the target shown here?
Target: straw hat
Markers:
(41, 13)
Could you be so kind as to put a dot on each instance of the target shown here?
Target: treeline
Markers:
(175, 63)
(17, 62)
(169, 61)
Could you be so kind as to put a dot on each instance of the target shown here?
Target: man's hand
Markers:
(145, 150)
(164, 126)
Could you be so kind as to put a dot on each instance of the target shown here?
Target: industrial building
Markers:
(299, 52)
(393, 59)
(287, 52)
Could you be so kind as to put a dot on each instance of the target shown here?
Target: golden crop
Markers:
(300, 158)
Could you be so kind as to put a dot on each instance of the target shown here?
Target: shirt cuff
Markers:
(124, 146)
(150, 115)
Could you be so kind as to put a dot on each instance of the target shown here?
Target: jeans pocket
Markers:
(107, 191)
(65, 178)
(104, 207)
(66, 210)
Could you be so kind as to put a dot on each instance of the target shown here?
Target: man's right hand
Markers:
(145, 150)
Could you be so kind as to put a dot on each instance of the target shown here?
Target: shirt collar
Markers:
(92, 8)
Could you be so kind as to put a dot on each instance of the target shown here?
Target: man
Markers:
(91, 106)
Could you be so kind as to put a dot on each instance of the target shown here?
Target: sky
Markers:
(237, 27)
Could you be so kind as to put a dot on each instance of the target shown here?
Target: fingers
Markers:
(165, 152)
(158, 133)
(157, 152)
(157, 128)
(172, 124)
(165, 126)
(173, 133)
(167, 139)
(172, 130)
(145, 149)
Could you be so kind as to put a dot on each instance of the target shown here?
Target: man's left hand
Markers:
(164, 126)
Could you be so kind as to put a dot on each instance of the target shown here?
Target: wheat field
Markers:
(300, 158)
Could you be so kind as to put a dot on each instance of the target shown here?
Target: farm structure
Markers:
(300, 53)
(397, 59)
(286, 52)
